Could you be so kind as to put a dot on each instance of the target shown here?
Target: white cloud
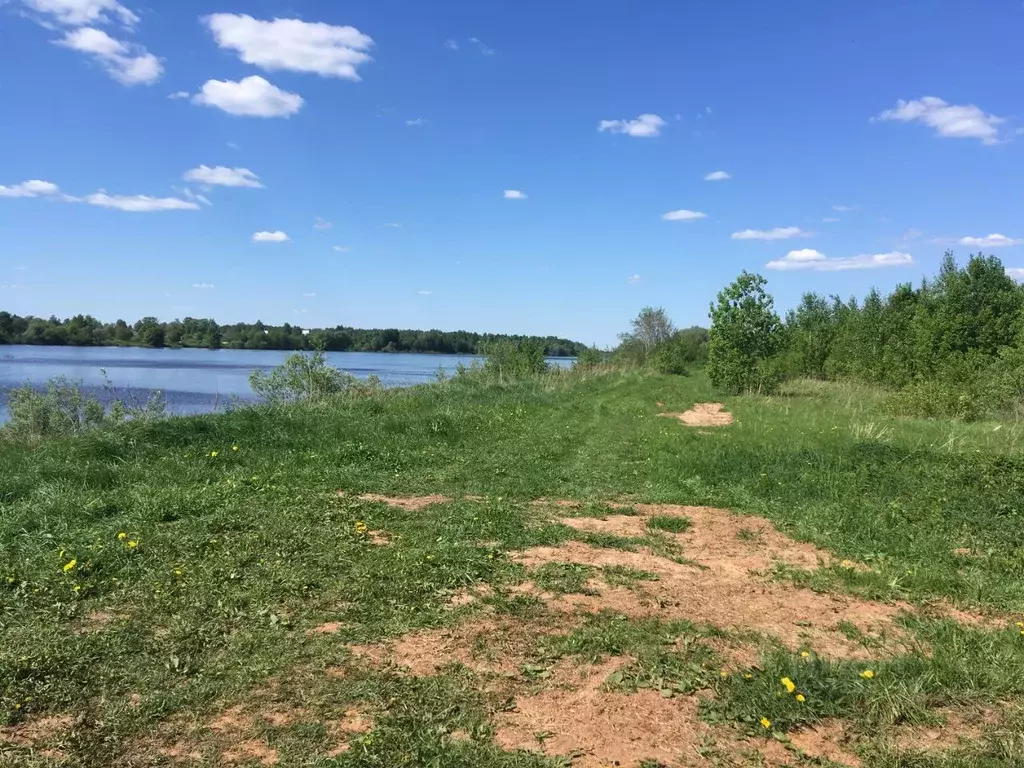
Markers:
(950, 120)
(844, 208)
(829, 220)
(424, 293)
(309, 295)
(515, 194)
(292, 44)
(485, 49)
(32, 188)
(136, 203)
(991, 241)
(417, 121)
(233, 145)
(394, 225)
(810, 259)
(779, 233)
(644, 127)
(912, 234)
(193, 196)
(224, 177)
(179, 95)
(684, 215)
(203, 286)
(128, 64)
(718, 176)
(270, 237)
(632, 279)
(1017, 273)
(251, 97)
(322, 224)
(451, 45)
(341, 248)
(76, 13)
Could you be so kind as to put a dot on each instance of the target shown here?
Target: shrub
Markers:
(62, 409)
(745, 336)
(590, 357)
(307, 377)
(513, 360)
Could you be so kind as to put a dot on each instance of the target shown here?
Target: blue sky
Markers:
(531, 167)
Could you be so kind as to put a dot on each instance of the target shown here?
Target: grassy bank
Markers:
(192, 590)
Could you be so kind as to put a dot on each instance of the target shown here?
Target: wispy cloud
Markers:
(643, 127)
(136, 203)
(808, 259)
(485, 49)
(222, 176)
(309, 295)
(393, 225)
(203, 286)
(416, 122)
(179, 95)
(322, 224)
(949, 120)
(845, 208)
(424, 293)
(451, 45)
(632, 279)
(684, 215)
(1017, 273)
(270, 237)
(127, 63)
(341, 248)
(718, 176)
(779, 233)
(515, 194)
(995, 240)
(830, 220)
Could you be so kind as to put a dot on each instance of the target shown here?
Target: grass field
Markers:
(198, 592)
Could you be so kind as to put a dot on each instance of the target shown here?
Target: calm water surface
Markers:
(195, 380)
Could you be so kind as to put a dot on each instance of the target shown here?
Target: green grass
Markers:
(236, 556)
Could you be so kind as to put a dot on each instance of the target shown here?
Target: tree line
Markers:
(952, 346)
(87, 331)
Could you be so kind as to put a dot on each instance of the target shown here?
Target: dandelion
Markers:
(235, 448)
(70, 566)
(214, 454)
(725, 673)
(132, 544)
(805, 654)
(122, 536)
(766, 723)
(801, 698)
(78, 587)
(867, 674)
(1020, 624)
(788, 684)
(847, 564)
(748, 676)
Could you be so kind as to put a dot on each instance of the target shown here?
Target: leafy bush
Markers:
(307, 377)
(590, 357)
(513, 360)
(745, 336)
(62, 409)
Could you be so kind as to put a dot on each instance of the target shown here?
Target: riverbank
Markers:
(417, 577)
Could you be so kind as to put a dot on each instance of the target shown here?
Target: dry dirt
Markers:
(408, 503)
(703, 415)
(43, 734)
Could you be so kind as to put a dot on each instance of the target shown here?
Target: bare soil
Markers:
(703, 415)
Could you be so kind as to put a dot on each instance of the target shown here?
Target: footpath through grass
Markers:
(180, 592)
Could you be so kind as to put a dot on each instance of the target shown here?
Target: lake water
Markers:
(195, 380)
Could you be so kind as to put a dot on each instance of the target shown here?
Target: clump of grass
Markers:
(670, 523)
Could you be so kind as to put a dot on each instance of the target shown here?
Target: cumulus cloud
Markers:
(221, 176)
(644, 127)
(779, 233)
(32, 188)
(1017, 273)
(292, 44)
(718, 176)
(991, 241)
(250, 97)
(137, 203)
(812, 260)
(684, 215)
(270, 237)
(515, 194)
(76, 13)
(128, 64)
(950, 120)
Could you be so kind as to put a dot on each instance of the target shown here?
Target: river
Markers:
(196, 380)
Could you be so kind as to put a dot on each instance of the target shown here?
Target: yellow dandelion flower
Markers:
(122, 536)
(78, 587)
(235, 448)
(1020, 624)
(788, 684)
(867, 674)
(132, 544)
(805, 654)
(847, 563)
(801, 698)
(766, 723)
(214, 454)
(725, 673)
(748, 676)
(70, 566)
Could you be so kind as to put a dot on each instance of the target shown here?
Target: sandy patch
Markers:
(330, 628)
(36, 733)
(408, 503)
(703, 415)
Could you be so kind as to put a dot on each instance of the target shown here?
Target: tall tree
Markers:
(745, 335)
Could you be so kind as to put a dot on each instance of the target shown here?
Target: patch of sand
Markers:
(703, 415)
(36, 733)
(330, 628)
(408, 503)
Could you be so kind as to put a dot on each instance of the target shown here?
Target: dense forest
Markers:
(953, 346)
(87, 331)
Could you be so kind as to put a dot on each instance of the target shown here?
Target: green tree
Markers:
(745, 336)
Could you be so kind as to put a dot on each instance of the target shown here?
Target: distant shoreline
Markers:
(4, 345)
